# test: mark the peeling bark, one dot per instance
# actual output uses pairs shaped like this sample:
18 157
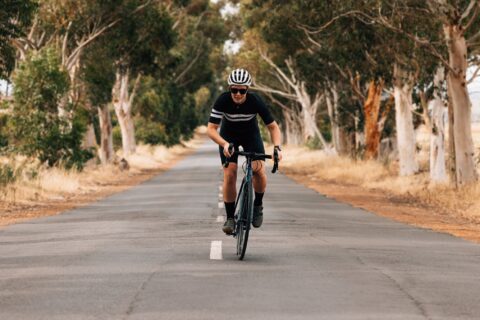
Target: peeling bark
339 136
106 152
403 88
89 140
465 171
309 106
292 130
372 109
438 172
122 101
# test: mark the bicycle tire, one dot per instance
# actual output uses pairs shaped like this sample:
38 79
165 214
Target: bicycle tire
245 220
239 225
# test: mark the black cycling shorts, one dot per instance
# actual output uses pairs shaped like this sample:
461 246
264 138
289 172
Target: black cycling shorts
253 143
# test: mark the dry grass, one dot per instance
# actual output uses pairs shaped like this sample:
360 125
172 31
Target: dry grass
416 190
38 184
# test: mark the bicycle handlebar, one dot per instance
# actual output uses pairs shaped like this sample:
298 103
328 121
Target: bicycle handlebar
255 156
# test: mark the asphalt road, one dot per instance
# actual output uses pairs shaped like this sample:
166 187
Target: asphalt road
146 254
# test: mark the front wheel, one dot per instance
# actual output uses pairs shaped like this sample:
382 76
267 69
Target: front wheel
244 219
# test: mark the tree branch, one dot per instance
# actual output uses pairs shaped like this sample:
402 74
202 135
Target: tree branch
326 25
474 76
474 4
135 88
279 71
275 91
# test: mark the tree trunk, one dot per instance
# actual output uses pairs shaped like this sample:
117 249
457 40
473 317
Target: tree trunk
372 109
122 101
338 138
438 171
465 171
105 152
292 132
403 88
89 140
309 115
451 141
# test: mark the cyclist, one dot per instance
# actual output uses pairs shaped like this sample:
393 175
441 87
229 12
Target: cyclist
236 111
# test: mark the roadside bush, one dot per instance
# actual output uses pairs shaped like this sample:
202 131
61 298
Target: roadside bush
7 175
150 132
36 128
116 137
313 143
167 112
3 131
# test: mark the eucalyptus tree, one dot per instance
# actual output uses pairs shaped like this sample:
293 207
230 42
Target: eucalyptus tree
98 76
283 74
349 52
15 17
36 129
138 46
457 21
71 26
171 103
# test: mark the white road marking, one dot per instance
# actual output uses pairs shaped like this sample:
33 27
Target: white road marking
221 219
216 250
221 205
220 188
220 195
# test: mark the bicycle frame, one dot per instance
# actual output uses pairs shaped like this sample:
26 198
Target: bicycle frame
244 215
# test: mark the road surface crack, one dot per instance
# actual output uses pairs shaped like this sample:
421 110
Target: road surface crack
136 298
415 302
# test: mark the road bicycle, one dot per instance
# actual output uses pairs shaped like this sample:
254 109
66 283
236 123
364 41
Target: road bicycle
244 202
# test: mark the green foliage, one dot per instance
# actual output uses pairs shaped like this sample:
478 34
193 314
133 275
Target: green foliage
40 83
3 131
116 136
7 175
166 113
150 132
36 129
140 42
98 74
61 146
313 143
15 16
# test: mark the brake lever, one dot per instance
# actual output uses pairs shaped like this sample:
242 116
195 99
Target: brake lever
231 150
275 161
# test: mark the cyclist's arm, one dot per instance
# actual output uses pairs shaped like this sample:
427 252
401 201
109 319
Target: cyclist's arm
215 136
276 136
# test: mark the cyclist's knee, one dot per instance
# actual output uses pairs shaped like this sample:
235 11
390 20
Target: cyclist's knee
259 168
230 173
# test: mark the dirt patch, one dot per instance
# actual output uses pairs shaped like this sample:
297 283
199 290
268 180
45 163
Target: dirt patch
18 212
397 208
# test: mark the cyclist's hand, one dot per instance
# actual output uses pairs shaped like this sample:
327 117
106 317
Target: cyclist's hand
277 153
228 149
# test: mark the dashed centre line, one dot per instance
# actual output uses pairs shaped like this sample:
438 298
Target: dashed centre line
216 250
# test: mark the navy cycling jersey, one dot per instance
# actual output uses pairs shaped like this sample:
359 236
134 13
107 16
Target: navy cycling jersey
239 119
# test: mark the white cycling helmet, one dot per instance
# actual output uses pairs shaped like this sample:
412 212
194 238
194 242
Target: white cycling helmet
240 77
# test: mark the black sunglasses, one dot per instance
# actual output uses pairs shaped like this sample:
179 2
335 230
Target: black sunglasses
235 91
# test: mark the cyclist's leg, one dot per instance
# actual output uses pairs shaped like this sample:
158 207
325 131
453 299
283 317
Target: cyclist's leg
230 182
229 176
255 144
229 190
